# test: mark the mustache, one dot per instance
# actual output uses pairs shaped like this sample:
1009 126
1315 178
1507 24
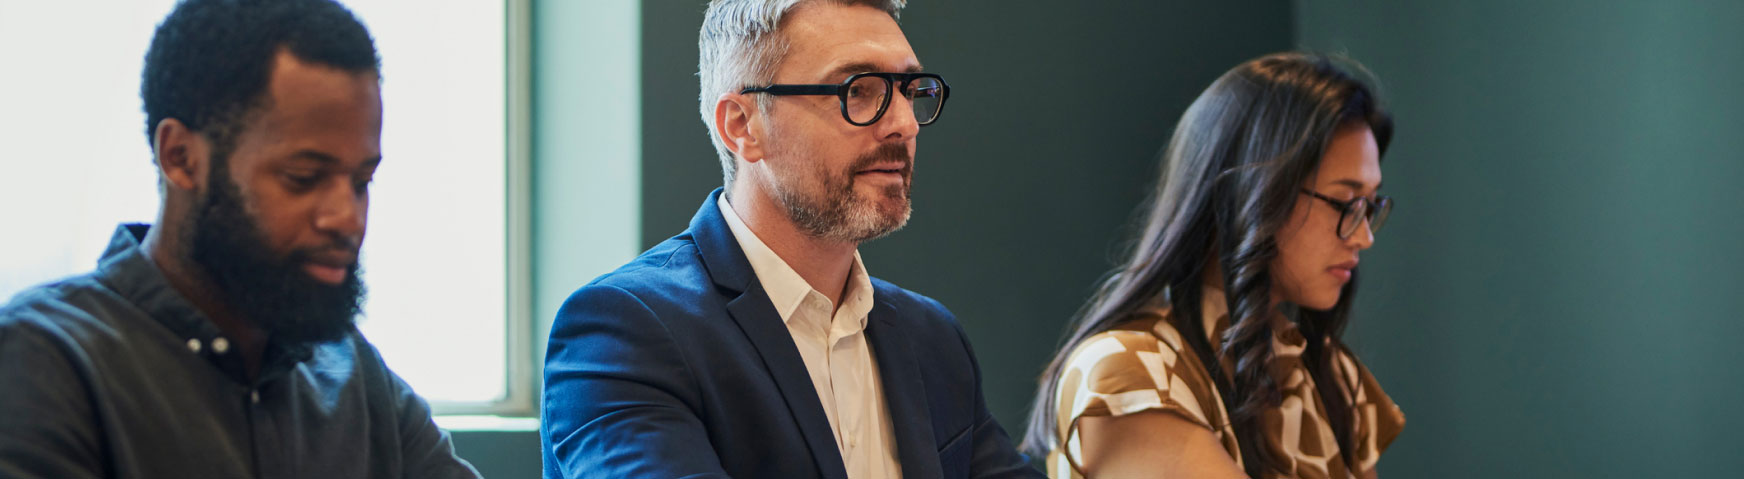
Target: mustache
885 153
340 247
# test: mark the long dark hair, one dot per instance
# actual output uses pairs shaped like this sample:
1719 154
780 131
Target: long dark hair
1229 180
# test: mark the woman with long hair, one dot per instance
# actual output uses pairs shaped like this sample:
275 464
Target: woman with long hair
1214 350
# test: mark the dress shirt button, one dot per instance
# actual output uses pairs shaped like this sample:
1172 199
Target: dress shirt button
254 397
194 345
220 345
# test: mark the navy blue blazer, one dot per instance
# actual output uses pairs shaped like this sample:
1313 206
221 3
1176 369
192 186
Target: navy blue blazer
677 365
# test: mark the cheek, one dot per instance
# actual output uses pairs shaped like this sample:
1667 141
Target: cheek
1298 252
282 218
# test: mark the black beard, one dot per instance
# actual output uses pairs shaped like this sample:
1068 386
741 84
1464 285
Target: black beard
271 292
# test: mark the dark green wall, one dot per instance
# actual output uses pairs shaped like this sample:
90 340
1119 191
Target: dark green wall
1024 186
1557 294
1554 297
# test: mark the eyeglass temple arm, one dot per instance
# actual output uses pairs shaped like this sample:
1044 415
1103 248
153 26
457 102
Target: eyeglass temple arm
830 89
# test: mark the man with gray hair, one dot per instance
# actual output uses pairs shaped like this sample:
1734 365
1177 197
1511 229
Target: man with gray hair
755 344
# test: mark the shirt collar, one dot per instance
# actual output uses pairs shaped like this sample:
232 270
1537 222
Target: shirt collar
1214 311
786 288
125 269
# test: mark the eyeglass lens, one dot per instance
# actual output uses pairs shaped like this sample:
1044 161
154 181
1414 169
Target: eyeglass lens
1360 209
866 98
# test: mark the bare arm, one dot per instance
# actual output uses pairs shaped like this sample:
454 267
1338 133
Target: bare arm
1152 444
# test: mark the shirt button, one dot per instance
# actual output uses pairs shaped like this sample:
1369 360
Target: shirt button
220 345
254 397
194 345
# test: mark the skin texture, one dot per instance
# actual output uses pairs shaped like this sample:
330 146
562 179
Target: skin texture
1162 444
1152 444
1309 251
802 150
302 164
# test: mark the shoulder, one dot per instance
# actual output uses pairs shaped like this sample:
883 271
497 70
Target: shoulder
1134 367
918 315
1149 338
1125 358
50 339
670 274
674 261
660 301
908 301
70 311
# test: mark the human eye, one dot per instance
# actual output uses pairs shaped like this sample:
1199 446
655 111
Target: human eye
859 89
302 180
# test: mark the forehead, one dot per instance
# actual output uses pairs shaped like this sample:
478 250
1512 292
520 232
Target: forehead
825 37
318 107
1352 155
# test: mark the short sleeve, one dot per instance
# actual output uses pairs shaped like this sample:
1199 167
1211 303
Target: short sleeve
1121 372
1377 420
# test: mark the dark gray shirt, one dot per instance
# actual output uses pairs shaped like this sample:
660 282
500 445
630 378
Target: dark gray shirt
115 374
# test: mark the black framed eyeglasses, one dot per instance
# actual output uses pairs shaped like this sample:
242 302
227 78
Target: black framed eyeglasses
865 96
1352 213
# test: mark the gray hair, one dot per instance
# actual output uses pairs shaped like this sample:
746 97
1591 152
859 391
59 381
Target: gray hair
740 46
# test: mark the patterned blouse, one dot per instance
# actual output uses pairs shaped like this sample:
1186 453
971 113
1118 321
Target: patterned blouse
1143 365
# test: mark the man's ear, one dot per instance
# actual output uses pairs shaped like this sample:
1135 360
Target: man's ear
181 154
735 123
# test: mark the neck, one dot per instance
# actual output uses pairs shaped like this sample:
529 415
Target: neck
199 289
823 264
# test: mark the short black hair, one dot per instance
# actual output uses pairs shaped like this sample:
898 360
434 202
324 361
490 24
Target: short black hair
211 60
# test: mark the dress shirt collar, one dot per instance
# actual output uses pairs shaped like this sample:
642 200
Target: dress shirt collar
786 288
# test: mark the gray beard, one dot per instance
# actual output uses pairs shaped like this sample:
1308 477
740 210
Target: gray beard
839 215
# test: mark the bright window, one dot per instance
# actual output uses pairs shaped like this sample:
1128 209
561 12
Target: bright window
437 258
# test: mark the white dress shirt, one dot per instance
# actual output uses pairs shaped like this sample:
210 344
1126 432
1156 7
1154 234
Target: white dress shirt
832 342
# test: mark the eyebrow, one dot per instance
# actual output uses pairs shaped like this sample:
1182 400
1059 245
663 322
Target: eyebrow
330 160
863 67
1354 184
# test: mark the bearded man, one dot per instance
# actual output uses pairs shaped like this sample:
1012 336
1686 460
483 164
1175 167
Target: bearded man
755 343
220 342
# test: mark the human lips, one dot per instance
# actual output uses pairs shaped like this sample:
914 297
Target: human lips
885 172
887 167
329 267
1342 270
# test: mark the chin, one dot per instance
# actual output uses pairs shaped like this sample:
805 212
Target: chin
1320 302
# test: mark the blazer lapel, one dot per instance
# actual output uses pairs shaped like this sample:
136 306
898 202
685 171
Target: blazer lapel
904 393
756 316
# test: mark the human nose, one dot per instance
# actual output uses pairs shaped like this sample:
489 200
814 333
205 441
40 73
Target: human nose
899 122
1364 238
342 211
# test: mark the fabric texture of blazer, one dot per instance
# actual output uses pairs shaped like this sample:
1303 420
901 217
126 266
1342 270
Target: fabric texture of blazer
677 365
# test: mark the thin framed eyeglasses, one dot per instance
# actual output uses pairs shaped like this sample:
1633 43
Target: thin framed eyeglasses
865 96
1352 213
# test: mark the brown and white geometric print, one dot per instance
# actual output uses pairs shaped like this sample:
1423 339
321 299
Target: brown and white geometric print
1128 370
1144 365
